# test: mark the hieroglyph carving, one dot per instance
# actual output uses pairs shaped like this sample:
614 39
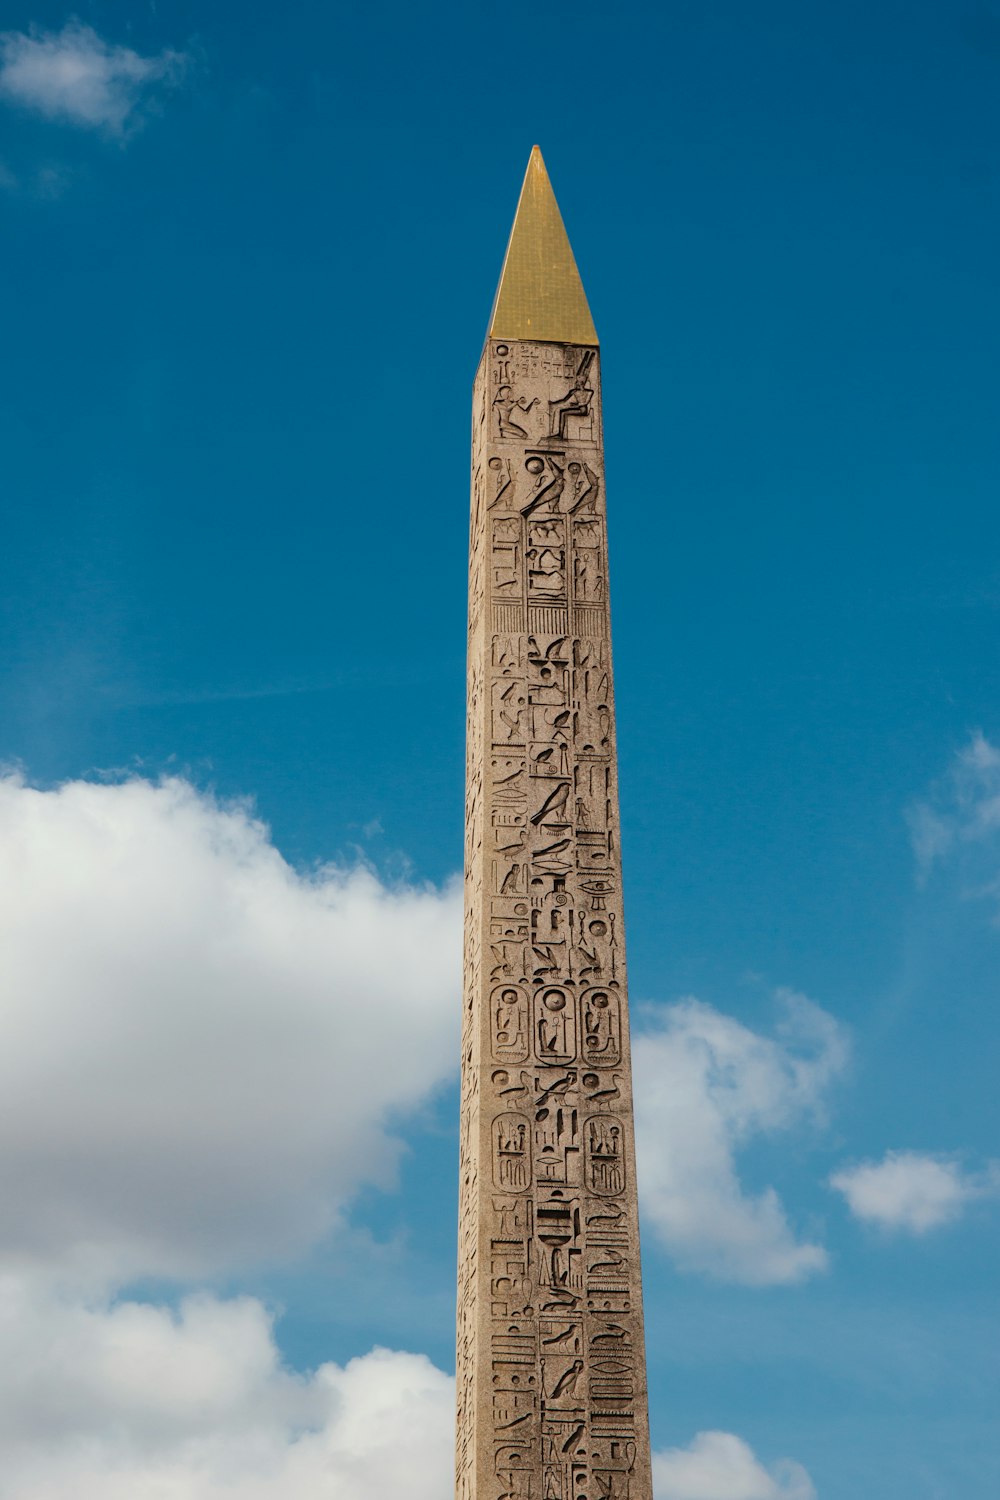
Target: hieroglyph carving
551 1370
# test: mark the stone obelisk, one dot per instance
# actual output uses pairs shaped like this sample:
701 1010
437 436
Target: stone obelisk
551 1365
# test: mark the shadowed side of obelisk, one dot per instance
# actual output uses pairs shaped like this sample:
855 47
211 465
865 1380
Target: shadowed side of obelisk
551 1366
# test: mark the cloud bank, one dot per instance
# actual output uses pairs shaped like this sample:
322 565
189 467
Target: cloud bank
76 77
911 1191
201 1050
705 1086
126 1401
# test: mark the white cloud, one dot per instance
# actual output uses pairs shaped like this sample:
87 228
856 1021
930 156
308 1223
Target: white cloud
200 1050
75 76
126 1401
912 1191
963 813
134 1402
201 1054
705 1085
721 1466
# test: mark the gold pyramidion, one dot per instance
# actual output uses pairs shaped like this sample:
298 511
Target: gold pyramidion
540 295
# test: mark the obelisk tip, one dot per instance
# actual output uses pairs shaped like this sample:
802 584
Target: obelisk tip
540 295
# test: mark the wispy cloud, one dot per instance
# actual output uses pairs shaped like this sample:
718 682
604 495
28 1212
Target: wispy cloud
721 1466
705 1086
913 1191
961 817
76 77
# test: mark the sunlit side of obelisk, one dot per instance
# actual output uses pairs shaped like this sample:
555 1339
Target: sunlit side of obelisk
551 1365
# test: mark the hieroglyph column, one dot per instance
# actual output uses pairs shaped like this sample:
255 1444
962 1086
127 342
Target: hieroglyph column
551 1367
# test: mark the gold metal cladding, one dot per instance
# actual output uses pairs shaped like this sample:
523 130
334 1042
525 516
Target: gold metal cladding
540 295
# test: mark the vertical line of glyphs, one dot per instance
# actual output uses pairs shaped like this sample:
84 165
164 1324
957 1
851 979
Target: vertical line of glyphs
550 1359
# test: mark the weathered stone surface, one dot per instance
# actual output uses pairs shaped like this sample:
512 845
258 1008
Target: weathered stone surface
551 1367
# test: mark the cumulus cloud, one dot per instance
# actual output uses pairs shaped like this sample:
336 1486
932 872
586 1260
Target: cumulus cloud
135 1402
127 1401
201 1053
705 1085
962 815
201 1050
75 76
721 1466
913 1191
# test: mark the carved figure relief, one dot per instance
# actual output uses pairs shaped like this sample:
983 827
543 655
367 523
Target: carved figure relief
510 1024
605 1147
555 1026
547 482
546 571
503 478
583 490
575 402
506 403
602 1046
512 1153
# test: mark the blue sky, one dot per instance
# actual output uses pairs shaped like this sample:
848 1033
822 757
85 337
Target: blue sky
248 261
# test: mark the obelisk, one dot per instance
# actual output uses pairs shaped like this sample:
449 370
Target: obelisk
551 1365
